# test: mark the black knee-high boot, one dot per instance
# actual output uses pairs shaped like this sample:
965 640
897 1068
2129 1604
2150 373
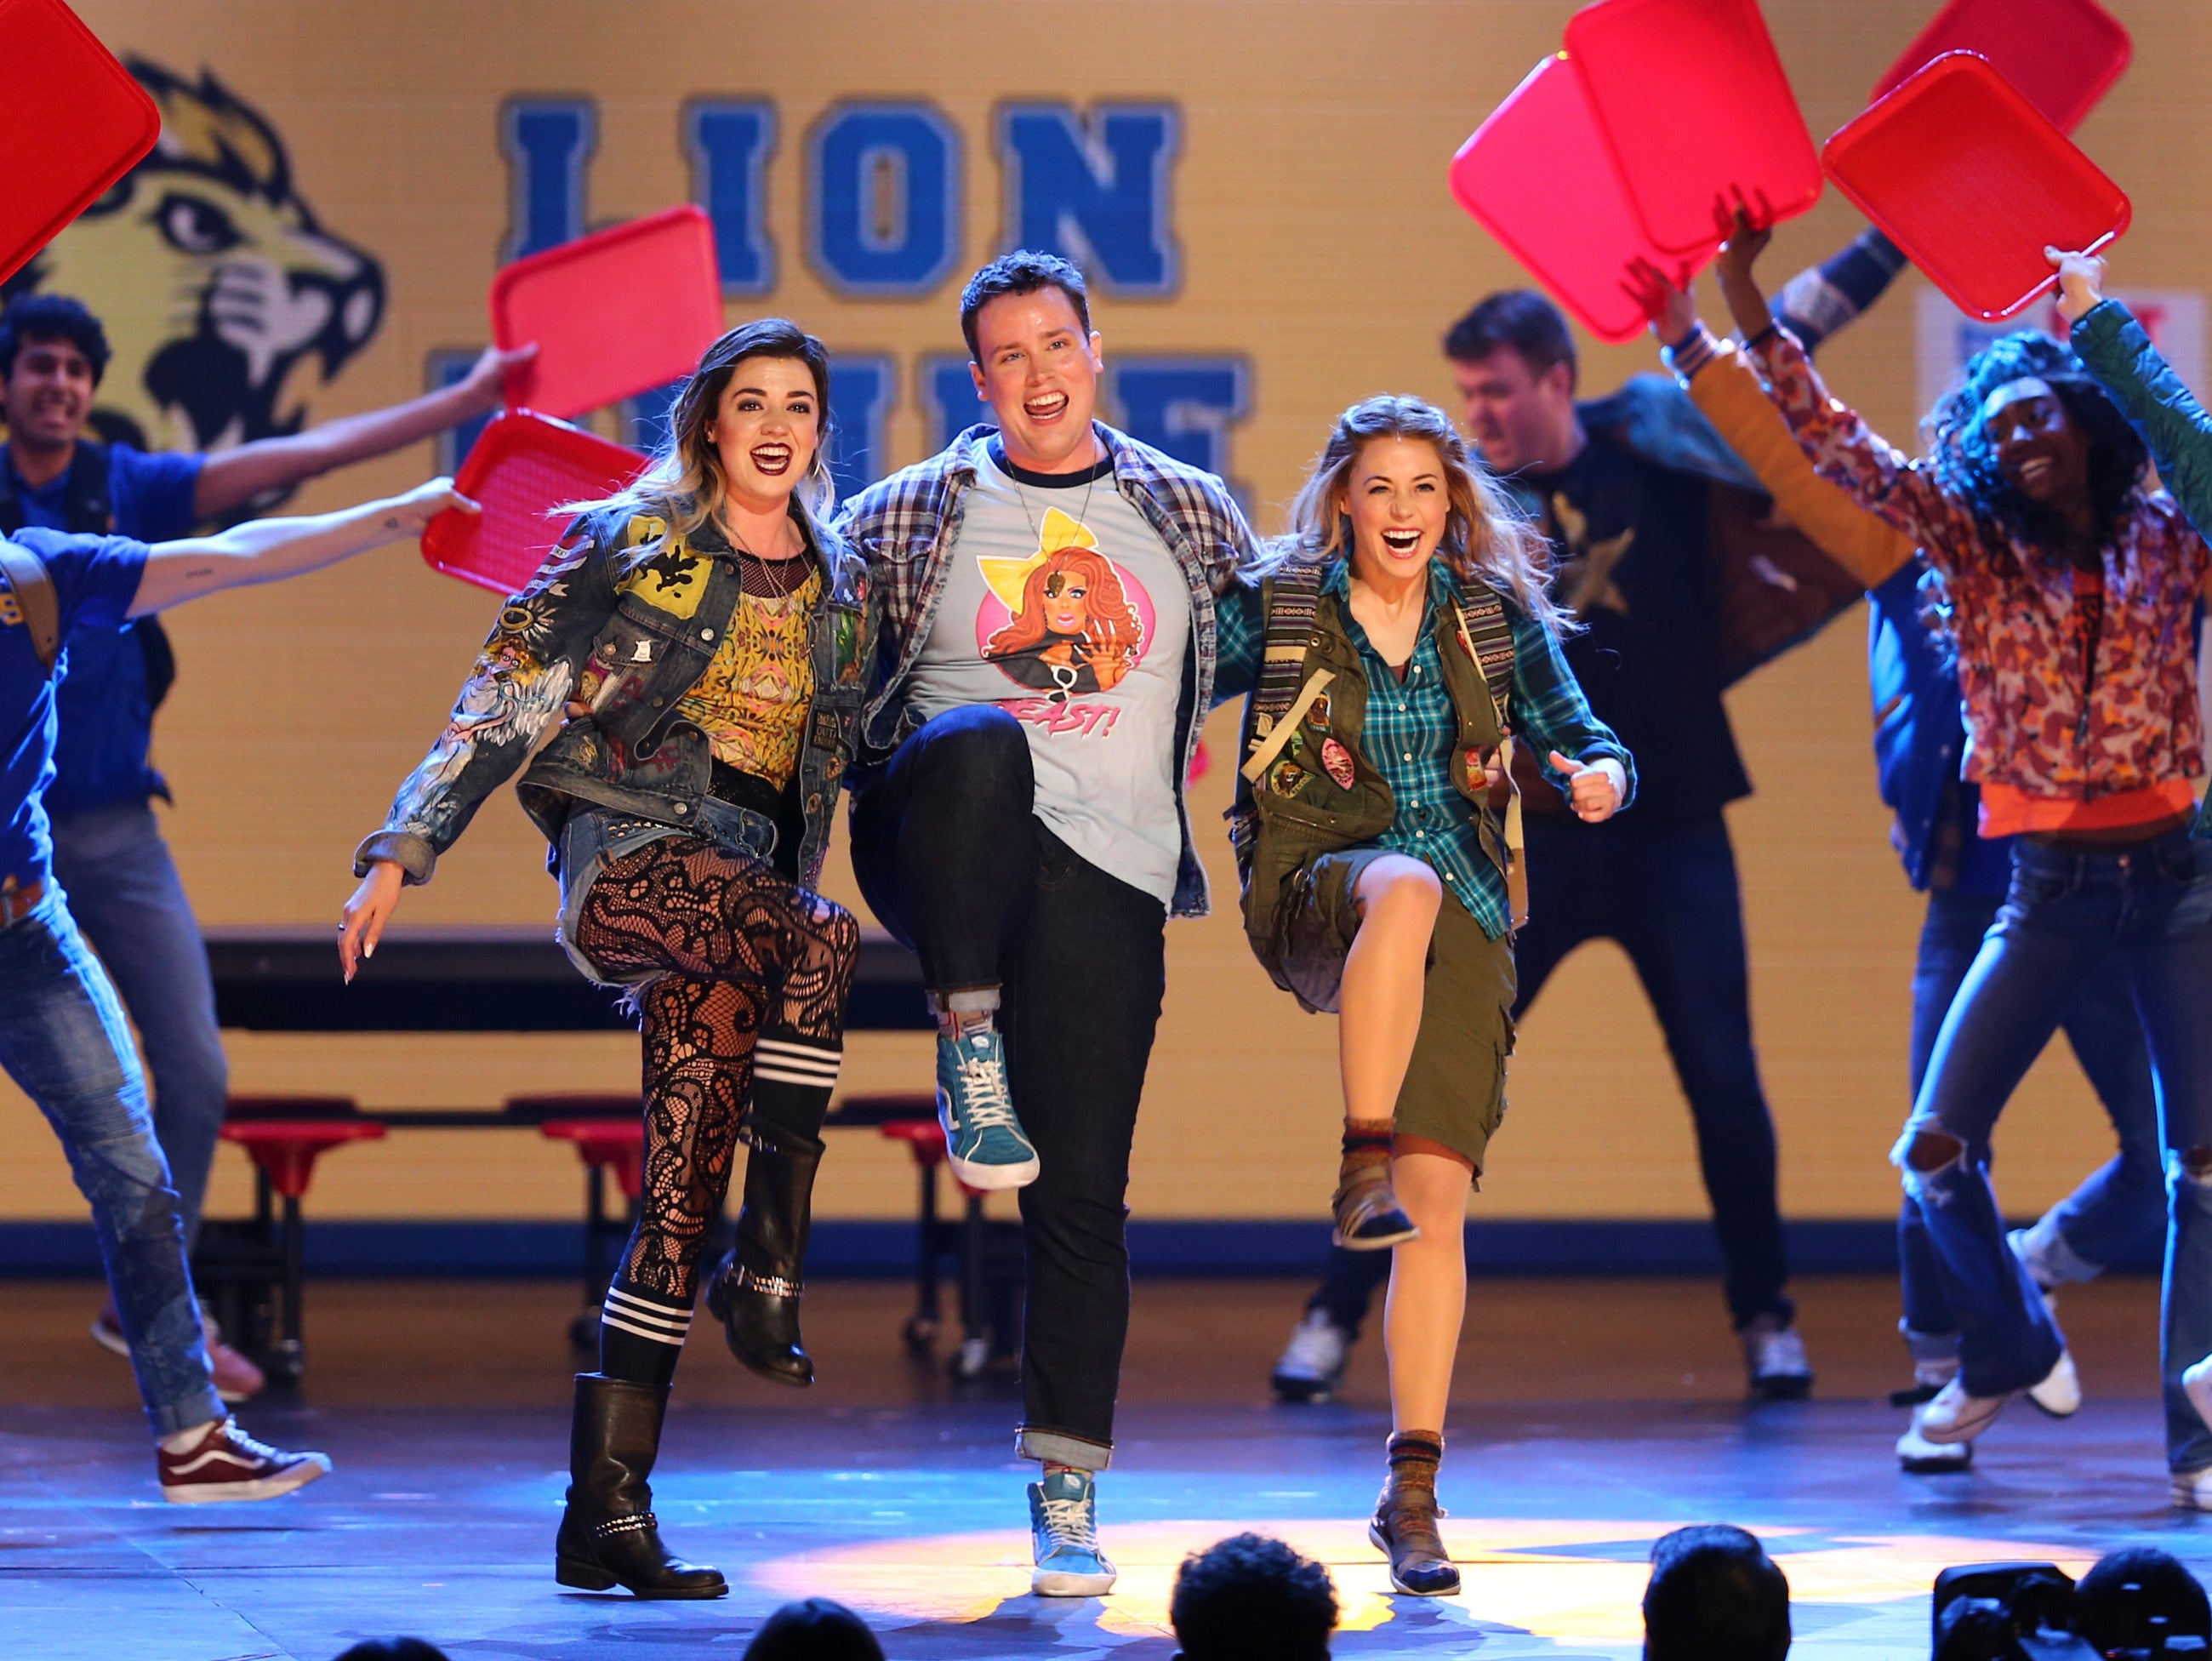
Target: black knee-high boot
755 1290
608 1535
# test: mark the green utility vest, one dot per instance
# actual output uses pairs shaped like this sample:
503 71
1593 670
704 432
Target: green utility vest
1305 786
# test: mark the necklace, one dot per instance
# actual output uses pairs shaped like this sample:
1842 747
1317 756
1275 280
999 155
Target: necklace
1082 513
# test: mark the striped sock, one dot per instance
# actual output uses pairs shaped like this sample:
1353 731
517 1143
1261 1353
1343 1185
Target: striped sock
791 1081
641 1335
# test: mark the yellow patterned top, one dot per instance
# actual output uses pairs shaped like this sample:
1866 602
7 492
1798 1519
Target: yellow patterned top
752 701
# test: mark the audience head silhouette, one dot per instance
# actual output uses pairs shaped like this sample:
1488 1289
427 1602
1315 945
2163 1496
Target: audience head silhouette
1714 1595
1249 1596
815 1629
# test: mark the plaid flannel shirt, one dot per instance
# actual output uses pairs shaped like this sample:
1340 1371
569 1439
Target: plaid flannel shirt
1410 731
906 526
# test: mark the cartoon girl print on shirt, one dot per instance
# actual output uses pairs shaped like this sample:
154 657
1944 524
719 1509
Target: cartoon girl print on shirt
1074 629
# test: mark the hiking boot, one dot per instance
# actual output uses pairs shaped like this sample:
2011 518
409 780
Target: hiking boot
1064 1537
984 1140
1404 1527
1367 1213
226 1463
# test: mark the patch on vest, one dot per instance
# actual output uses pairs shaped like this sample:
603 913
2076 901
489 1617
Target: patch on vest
1285 778
1336 761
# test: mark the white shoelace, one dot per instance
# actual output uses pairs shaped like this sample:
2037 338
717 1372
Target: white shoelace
1070 1523
986 1102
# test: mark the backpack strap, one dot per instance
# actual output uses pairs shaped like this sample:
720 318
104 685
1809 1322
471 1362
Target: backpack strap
1291 597
32 586
1485 633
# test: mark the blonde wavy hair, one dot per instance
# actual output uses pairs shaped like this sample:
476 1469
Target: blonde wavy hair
684 482
1486 537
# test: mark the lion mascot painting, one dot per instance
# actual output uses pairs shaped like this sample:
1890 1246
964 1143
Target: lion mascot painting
216 285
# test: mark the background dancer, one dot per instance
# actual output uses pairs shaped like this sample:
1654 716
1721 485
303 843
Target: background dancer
2073 590
63 1039
1030 844
707 638
2117 1212
1417 593
109 853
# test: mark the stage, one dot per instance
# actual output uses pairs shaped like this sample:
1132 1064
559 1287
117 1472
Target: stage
1594 1416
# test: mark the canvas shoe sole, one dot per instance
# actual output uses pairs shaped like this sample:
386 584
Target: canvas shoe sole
301 1469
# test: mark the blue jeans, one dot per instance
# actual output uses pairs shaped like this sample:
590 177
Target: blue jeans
2142 913
2118 1213
64 1042
125 896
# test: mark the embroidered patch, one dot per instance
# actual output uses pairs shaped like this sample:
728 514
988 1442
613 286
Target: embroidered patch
1317 712
643 654
1286 778
1336 760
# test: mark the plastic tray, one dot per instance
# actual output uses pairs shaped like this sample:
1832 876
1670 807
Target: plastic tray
2062 54
72 122
1692 102
613 313
521 470
1971 181
1538 177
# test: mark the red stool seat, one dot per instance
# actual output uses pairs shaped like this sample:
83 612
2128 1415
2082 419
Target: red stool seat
924 1138
616 1145
285 1150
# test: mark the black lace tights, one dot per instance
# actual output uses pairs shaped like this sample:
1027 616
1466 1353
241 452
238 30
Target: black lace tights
743 952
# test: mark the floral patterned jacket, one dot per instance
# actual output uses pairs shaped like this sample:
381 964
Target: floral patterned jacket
2037 720
625 617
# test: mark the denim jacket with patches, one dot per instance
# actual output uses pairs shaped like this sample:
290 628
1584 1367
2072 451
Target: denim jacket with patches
625 616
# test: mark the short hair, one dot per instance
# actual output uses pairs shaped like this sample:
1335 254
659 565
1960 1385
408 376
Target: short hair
1519 318
1715 1592
814 1630
1250 1595
2125 1590
34 317
393 1649
1025 271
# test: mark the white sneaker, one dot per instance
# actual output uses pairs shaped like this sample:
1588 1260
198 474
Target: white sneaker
2059 1393
1922 1457
1955 1416
1774 1357
1311 1367
2196 1384
2193 1489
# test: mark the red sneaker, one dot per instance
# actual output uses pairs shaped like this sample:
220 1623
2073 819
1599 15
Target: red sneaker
226 1463
236 1379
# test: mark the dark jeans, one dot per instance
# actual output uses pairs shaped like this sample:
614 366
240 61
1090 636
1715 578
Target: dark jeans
2118 1213
1667 891
126 897
954 863
2143 913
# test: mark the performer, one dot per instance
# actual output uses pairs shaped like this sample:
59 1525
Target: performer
1668 558
2117 1212
707 635
108 849
2072 588
1394 642
63 1039
1047 596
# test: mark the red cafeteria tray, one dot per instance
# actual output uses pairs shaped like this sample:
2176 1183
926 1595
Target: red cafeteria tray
72 122
521 470
2064 54
1537 176
1971 181
613 313
1693 101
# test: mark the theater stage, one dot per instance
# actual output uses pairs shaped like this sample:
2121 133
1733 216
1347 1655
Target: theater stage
1596 1414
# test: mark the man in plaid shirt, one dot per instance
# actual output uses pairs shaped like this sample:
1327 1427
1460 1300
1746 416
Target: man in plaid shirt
1046 659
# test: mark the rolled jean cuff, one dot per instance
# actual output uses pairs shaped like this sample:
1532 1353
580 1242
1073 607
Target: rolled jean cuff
204 1407
1057 1447
1929 1345
963 1000
2050 1258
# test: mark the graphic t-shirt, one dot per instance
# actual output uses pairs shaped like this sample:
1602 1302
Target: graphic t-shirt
94 579
1063 607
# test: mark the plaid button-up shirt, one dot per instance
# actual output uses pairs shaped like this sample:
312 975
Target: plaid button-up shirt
906 526
1410 731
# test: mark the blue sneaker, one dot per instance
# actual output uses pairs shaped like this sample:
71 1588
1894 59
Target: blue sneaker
982 1138
1064 1537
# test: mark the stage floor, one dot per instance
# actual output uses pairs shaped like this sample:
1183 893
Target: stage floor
1596 1414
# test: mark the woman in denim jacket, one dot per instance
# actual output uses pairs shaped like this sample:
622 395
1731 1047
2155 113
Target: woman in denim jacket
705 633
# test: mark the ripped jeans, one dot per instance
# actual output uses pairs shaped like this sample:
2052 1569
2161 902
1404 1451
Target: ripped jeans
2143 912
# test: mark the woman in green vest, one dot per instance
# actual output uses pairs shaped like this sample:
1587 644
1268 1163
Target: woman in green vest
1395 644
